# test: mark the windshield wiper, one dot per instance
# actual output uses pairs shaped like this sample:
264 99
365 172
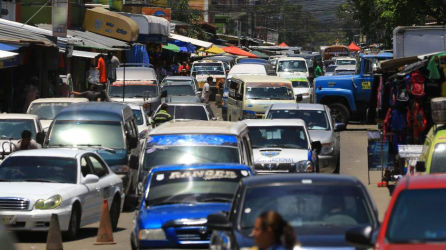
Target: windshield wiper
36 180
172 203
60 145
217 199
98 146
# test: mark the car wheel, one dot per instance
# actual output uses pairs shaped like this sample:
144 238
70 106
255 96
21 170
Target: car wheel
132 245
74 225
339 113
115 211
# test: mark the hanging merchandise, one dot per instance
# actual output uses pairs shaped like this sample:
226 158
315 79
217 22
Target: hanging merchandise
138 55
102 70
416 83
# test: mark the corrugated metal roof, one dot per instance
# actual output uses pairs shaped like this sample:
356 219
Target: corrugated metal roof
87 39
13 34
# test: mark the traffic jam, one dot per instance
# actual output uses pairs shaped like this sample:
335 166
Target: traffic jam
232 153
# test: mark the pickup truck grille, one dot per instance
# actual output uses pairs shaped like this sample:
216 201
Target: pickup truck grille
274 166
193 234
13 204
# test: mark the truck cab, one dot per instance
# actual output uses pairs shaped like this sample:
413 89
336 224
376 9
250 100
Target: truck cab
348 96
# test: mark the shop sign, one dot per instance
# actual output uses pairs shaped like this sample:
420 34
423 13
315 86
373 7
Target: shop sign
159 12
60 18
107 23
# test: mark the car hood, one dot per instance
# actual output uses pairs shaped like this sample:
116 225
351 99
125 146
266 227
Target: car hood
334 77
186 98
323 136
310 238
279 155
157 216
301 90
35 190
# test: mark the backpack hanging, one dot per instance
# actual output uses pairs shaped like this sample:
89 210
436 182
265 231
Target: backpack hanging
416 86
398 121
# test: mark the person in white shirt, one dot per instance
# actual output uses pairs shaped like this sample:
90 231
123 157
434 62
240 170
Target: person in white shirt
206 90
26 142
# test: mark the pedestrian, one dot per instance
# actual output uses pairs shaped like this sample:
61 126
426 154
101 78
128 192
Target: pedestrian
26 142
162 116
184 67
102 70
272 232
161 73
317 71
93 95
206 90
112 65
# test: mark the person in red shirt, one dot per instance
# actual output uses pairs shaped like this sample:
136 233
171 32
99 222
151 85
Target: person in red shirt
184 66
102 70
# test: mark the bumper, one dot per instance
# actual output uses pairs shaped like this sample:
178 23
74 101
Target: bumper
327 164
38 220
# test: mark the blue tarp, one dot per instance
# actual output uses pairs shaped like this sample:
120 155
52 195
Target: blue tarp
138 54
8 47
184 47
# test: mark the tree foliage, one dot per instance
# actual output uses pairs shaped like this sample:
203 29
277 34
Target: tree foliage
181 11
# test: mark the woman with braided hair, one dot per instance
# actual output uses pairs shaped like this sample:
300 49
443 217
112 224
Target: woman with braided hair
272 232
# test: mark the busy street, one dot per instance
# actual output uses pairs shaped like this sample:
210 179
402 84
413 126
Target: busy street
222 125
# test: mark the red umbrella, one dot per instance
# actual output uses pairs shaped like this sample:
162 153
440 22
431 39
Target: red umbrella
238 52
353 47
283 44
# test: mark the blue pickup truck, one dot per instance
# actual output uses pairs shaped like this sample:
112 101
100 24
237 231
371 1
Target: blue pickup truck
349 96
177 200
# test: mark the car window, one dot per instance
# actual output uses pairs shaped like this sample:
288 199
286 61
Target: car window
85 167
138 116
278 137
98 168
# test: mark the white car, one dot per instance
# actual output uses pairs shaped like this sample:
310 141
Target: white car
34 184
11 128
47 108
301 86
292 67
141 119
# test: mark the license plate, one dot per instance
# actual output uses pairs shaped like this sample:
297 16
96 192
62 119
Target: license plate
8 220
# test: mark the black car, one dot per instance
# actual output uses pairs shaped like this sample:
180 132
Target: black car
320 208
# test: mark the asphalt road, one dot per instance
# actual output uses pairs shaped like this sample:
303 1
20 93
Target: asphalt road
353 162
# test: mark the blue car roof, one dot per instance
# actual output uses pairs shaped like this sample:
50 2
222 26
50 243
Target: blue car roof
383 55
202 166
95 111
253 61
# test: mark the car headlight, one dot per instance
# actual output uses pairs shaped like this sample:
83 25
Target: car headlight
50 203
327 148
249 115
304 167
152 234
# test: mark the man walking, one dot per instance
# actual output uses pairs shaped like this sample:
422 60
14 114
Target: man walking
206 90
162 116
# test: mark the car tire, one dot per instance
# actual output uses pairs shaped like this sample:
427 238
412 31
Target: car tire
74 225
339 113
132 245
115 212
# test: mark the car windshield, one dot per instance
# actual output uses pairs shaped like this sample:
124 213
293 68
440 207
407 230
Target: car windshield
178 90
278 137
346 62
308 205
138 116
217 67
190 149
331 68
39 169
438 159
269 91
48 110
300 84
165 81
190 113
416 217
87 133
13 128
344 72
138 91
291 66
315 119
192 186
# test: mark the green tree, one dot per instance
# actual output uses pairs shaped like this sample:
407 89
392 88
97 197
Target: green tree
181 11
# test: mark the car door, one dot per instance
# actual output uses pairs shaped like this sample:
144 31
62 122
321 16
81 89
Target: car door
92 197
240 101
106 182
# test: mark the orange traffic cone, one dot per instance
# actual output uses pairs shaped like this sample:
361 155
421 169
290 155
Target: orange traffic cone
105 232
54 238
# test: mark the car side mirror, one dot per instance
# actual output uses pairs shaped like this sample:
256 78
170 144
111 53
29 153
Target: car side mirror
164 94
420 166
340 127
134 162
40 137
360 237
91 179
299 98
219 221
316 145
133 142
